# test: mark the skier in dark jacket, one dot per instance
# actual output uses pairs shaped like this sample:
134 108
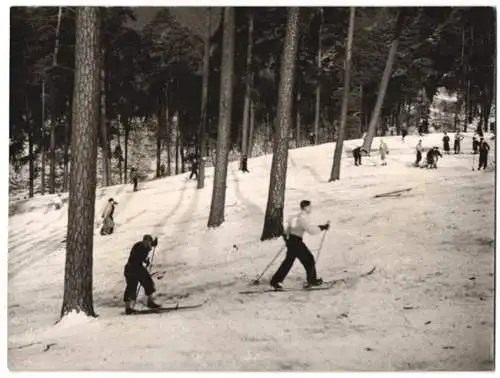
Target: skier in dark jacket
356 153
446 143
484 148
475 144
134 177
297 226
432 157
136 273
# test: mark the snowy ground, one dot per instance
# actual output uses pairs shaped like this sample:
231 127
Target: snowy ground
428 306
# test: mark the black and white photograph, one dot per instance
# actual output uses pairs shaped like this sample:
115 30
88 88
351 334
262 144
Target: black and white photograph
238 188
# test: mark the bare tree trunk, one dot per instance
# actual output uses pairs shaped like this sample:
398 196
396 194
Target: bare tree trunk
80 235
30 151
318 85
204 109
216 217
385 81
361 110
273 221
126 129
297 120
120 164
106 171
160 127
246 106
67 130
337 156
169 146
177 144
43 138
252 129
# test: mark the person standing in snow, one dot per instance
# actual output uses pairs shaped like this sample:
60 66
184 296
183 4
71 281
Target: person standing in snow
446 143
484 148
458 139
356 153
108 224
432 157
475 144
419 149
134 177
383 151
136 273
194 168
404 133
296 227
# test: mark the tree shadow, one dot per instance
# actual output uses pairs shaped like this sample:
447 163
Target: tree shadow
252 206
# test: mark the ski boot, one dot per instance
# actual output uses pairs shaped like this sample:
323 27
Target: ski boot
277 286
317 282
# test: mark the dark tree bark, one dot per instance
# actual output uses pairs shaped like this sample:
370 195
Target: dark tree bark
204 109
126 131
337 156
31 152
246 106
106 166
273 221
216 217
317 108
67 134
251 131
384 82
160 129
42 140
80 235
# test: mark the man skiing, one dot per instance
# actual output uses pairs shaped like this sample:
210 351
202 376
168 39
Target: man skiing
194 168
108 223
296 248
483 154
419 149
446 143
136 273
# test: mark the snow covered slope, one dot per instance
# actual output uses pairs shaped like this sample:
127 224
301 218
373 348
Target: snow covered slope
428 306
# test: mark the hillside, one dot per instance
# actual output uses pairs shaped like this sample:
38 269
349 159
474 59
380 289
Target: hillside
428 306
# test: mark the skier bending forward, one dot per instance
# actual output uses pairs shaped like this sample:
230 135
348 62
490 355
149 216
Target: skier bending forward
136 273
296 248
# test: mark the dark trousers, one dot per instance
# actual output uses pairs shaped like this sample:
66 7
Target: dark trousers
296 249
419 157
135 181
357 158
483 161
193 173
137 275
456 146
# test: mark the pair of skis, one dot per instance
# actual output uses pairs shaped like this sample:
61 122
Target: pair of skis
164 309
325 286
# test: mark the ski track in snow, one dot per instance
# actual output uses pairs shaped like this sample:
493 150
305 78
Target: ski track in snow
429 304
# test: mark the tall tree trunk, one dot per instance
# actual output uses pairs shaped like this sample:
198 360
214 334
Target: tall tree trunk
216 217
160 128
297 120
30 151
273 220
317 108
43 138
120 164
176 131
385 81
126 130
80 234
169 145
246 106
337 156
252 128
361 110
67 131
106 166
52 186
204 109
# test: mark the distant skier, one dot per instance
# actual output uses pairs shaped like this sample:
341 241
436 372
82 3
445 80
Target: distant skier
136 273
57 201
484 148
356 153
383 152
475 144
458 139
194 168
108 224
419 149
162 170
404 133
135 178
432 157
446 143
296 227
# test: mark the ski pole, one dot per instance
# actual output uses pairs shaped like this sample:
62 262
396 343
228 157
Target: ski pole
321 243
256 281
